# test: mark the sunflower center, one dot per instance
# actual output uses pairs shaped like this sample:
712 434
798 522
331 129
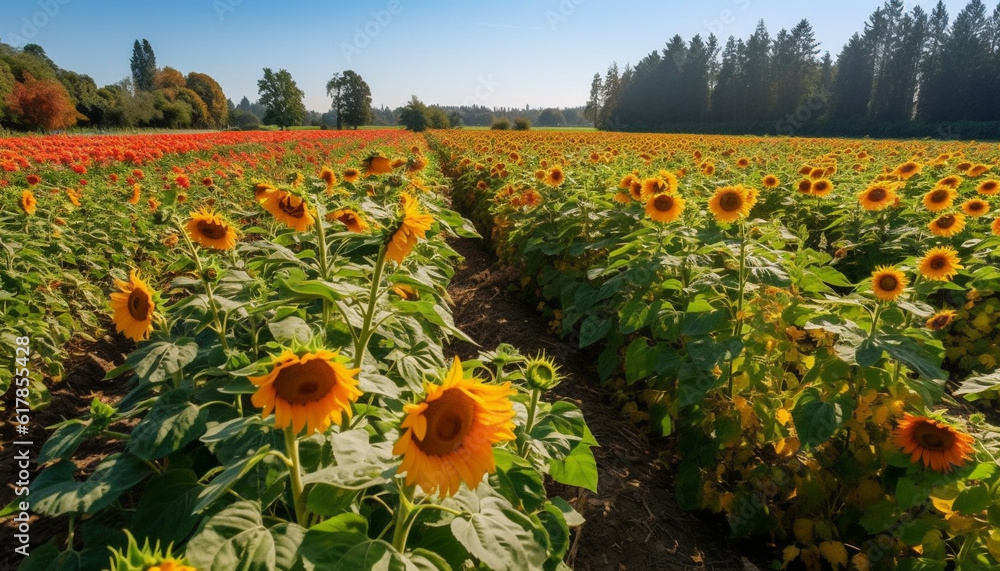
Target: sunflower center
908 168
820 186
211 229
989 186
449 420
293 206
731 202
932 437
938 263
940 322
663 203
302 383
888 283
348 218
939 195
877 195
139 305
974 206
946 221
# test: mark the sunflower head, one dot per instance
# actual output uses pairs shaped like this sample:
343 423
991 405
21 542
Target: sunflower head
770 181
664 207
804 186
888 282
730 203
351 175
907 169
448 436
947 225
307 390
134 305
941 319
211 230
877 196
412 227
554 176
542 373
975 207
938 445
376 164
348 217
988 187
28 202
290 209
146 558
822 187
940 263
939 198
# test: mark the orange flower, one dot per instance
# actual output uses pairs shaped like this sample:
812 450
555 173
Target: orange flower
938 445
413 226
28 202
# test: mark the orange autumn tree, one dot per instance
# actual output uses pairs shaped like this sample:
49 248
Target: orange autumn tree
42 104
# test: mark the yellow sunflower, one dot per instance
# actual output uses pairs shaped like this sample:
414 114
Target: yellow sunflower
28 202
940 263
804 186
730 203
133 307
907 170
995 227
289 209
770 181
988 187
348 218
939 198
664 207
952 181
975 207
554 176
311 390
327 176
262 191
653 186
449 435
888 282
947 225
351 174
821 187
941 319
376 164
413 226
211 230
877 196
939 445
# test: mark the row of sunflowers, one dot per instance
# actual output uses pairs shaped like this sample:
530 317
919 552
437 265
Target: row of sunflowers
290 402
808 318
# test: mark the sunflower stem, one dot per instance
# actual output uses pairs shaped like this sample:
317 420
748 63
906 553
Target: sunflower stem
212 304
298 497
738 328
403 523
532 408
366 327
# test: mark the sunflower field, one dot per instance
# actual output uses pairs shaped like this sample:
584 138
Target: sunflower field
813 321
290 405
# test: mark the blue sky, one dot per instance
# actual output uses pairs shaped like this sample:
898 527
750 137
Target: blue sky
508 53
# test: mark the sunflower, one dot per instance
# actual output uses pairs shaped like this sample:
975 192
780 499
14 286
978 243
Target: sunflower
290 209
877 196
412 227
940 263
622 197
664 207
262 191
975 207
416 164
730 203
947 225
136 190
376 164
450 434
939 198
310 390
939 445
28 202
995 227
327 176
907 170
951 181
888 282
74 196
653 186
804 186
211 230
821 187
133 307
770 181
941 319
988 187
348 218
554 176
351 175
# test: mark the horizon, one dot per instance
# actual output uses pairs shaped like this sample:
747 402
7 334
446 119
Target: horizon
397 47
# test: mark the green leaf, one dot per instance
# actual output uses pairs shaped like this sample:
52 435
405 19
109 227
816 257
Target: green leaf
815 420
159 360
640 360
291 328
234 539
577 469
973 500
982 386
170 497
704 322
426 560
64 441
593 329
224 481
520 482
371 554
554 523
325 541
55 492
572 517
500 536
168 427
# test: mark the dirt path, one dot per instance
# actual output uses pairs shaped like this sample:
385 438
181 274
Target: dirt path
633 521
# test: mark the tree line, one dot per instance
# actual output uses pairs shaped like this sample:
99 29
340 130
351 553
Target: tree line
904 70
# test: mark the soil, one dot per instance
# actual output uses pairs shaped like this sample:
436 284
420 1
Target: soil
633 522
